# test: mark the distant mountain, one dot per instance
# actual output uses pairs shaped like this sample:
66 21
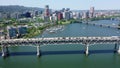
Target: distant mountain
16 8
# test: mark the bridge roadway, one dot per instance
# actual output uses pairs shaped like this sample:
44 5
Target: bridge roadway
102 25
86 41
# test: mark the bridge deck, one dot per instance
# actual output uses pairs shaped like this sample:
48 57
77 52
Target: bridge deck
61 40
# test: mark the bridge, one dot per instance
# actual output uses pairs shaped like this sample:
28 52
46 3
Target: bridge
37 42
102 25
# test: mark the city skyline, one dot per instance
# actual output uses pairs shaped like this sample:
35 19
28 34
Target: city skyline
72 4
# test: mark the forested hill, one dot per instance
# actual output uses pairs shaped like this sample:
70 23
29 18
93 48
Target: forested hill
16 8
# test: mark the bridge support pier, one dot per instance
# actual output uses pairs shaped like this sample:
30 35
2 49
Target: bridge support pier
38 51
5 51
87 49
115 48
118 50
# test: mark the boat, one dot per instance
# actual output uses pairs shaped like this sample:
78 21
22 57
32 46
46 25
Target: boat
113 23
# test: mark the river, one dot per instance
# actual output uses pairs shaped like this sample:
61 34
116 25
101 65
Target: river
67 56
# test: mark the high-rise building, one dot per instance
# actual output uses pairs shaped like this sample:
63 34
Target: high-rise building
63 14
76 15
47 11
85 15
55 17
67 15
71 14
51 18
60 16
92 10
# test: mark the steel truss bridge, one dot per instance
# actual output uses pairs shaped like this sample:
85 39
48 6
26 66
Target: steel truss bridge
37 42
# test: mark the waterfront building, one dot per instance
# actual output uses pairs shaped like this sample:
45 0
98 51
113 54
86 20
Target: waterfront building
12 31
71 14
76 15
22 30
63 14
51 18
55 17
100 14
60 15
67 15
85 15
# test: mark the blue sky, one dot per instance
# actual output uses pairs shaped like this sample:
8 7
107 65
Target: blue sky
72 4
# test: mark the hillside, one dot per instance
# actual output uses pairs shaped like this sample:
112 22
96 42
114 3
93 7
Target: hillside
16 8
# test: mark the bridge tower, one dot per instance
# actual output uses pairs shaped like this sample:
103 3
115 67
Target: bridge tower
38 51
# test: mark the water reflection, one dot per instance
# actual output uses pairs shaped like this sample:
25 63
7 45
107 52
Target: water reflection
60 52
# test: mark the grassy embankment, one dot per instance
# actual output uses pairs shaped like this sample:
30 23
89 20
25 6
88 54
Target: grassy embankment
33 31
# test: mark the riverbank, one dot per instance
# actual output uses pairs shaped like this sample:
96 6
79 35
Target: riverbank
64 22
33 31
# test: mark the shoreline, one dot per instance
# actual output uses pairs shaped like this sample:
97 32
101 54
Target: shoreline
62 22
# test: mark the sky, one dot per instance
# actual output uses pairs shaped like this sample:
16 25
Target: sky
72 4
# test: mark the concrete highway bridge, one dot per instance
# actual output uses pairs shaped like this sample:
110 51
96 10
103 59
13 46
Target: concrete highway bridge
37 42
